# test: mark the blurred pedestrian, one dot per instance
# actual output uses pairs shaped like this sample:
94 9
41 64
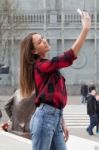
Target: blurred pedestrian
0 113
97 127
84 93
92 109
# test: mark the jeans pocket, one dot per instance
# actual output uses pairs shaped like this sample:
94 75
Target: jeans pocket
37 122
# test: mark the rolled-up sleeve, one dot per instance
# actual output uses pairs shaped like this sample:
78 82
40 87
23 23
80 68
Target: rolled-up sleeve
58 62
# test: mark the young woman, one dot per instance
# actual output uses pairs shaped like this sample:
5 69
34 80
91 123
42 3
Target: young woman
37 73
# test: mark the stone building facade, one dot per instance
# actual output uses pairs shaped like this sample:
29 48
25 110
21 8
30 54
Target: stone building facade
59 22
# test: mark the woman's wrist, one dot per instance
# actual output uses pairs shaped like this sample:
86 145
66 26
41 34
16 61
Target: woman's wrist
85 29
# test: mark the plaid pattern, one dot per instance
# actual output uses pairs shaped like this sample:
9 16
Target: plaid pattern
49 83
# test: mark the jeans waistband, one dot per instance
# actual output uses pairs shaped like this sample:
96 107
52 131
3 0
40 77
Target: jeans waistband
48 108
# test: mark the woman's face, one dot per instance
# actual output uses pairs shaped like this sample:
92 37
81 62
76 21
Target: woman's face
41 45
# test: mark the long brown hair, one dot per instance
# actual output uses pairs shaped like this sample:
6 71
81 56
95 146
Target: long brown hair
26 66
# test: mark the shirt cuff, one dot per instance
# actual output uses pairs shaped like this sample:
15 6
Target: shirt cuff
70 55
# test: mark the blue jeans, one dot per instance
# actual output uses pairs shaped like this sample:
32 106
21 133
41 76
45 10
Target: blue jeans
46 129
93 122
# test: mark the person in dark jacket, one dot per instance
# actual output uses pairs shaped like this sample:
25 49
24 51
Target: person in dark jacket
20 111
92 109
84 92
97 127
0 113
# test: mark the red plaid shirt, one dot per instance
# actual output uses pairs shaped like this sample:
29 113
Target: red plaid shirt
49 83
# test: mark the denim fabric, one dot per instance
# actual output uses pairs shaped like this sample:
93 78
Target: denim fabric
46 129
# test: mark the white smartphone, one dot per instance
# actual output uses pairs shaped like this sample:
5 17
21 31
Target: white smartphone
79 11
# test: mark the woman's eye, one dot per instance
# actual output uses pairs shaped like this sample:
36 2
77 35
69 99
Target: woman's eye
39 42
